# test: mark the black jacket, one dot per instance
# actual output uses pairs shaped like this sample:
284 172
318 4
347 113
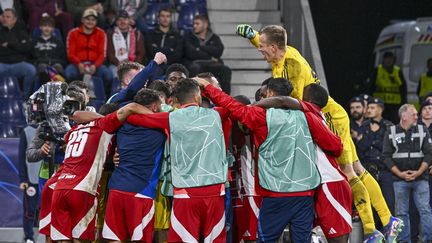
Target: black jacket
49 51
370 146
198 49
18 47
408 149
170 44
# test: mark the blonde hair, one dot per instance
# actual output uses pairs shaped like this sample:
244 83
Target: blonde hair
275 34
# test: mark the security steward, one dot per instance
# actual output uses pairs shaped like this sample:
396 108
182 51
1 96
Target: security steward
389 85
425 82
369 144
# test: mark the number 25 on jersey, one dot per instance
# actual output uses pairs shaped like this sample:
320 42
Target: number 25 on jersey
77 142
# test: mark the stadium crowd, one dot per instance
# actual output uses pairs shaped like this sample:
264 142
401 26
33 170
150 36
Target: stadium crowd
170 156
105 36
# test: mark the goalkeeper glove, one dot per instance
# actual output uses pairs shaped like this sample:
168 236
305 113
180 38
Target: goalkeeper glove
245 31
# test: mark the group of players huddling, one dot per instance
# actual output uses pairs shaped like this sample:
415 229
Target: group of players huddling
295 162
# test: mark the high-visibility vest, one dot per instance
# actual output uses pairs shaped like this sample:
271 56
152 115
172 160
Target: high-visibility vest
388 85
425 85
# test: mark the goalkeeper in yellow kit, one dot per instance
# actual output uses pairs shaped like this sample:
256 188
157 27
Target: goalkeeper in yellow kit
288 63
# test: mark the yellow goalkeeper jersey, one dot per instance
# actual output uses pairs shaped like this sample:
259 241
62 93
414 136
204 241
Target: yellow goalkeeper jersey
293 67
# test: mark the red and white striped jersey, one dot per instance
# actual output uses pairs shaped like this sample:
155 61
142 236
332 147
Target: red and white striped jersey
86 152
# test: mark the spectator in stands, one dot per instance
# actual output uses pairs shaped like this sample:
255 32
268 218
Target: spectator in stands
165 39
408 152
48 50
203 51
135 9
86 51
15 51
55 8
124 43
14 4
369 144
357 115
425 82
77 7
29 180
388 84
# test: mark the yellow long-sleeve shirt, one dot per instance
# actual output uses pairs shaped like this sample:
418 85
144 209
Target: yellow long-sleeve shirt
292 67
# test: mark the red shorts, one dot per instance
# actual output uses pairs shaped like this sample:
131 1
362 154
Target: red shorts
73 215
192 217
45 209
128 216
246 213
333 206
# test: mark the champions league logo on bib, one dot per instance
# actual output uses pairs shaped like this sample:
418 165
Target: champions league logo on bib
31 191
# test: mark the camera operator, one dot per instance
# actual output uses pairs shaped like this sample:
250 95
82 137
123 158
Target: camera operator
40 149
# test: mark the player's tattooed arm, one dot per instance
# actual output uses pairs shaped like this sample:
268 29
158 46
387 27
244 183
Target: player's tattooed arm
284 102
131 108
85 116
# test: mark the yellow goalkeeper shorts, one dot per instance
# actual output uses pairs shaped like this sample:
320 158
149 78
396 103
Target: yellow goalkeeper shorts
162 210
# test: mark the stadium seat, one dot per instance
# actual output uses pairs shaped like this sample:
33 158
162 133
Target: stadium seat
11 111
9 87
187 13
37 32
116 86
157 1
8 130
185 2
98 88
